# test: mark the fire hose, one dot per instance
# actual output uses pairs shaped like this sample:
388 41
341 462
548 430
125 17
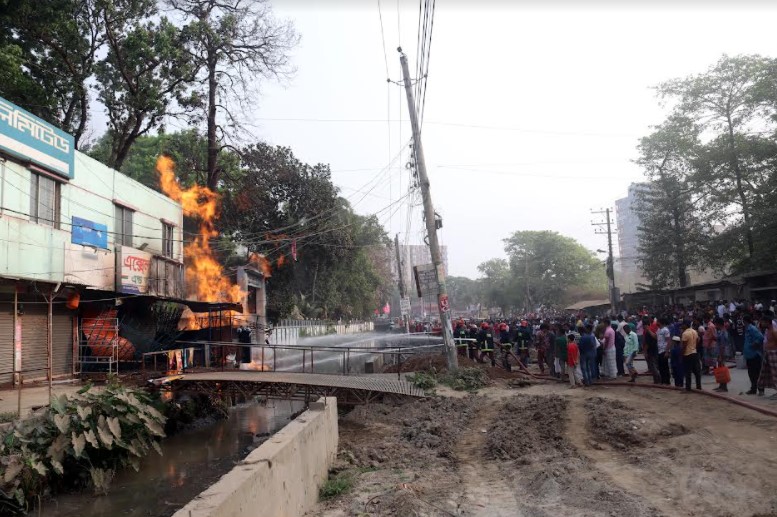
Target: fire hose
748 405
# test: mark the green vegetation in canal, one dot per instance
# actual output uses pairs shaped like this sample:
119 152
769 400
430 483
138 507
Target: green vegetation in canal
79 441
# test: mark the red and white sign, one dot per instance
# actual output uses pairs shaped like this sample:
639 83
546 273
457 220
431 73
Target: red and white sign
134 266
444 305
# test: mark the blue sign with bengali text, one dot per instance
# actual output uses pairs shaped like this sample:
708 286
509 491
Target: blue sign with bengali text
89 233
25 136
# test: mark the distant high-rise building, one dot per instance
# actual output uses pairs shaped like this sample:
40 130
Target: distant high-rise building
627 270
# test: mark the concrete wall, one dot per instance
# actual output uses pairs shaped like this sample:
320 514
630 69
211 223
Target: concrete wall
282 477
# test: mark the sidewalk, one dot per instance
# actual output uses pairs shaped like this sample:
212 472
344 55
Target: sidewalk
34 396
740 383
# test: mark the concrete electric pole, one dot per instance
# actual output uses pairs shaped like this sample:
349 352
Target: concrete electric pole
610 259
431 222
405 317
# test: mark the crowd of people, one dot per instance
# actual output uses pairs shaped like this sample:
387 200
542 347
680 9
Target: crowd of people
678 343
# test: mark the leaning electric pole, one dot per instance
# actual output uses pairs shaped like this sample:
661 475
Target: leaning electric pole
431 221
610 259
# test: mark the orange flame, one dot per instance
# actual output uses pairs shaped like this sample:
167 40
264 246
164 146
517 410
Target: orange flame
204 275
261 262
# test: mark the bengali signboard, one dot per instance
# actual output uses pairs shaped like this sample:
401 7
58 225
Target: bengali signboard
89 233
425 279
404 306
133 267
25 136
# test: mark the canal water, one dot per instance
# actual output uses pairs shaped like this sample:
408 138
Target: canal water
195 459
192 461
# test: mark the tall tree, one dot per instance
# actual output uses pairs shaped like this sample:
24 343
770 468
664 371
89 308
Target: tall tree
727 101
670 207
232 43
497 284
545 264
53 47
144 71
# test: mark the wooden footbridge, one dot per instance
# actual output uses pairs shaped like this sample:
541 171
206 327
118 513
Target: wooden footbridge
349 389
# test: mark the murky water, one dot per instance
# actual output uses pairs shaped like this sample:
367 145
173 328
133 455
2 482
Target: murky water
192 461
195 459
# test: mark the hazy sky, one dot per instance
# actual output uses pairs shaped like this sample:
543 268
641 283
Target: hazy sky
532 113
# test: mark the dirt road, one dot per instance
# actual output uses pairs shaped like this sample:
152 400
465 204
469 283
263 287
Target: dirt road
547 450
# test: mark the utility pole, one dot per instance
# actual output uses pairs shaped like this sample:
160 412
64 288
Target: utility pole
431 221
405 319
610 259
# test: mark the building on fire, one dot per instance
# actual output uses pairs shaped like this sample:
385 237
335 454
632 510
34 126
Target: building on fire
91 260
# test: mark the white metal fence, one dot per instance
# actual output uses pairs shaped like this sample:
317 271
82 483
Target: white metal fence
289 332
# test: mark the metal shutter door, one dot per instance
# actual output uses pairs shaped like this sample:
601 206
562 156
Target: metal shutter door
6 342
62 352
34 330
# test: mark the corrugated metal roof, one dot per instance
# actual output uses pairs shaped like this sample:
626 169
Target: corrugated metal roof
587 303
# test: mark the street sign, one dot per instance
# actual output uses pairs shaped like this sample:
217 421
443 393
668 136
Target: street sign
425 279
444 305
404 306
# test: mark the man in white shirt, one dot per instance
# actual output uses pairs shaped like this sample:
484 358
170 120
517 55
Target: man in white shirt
722 308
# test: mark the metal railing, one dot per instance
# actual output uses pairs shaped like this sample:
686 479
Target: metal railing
344 360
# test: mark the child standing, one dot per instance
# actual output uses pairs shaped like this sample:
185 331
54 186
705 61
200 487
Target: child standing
573 362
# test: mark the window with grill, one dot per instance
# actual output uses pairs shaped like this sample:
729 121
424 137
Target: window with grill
44 200
124 217
167 240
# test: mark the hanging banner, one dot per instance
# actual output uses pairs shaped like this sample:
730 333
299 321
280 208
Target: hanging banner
294 249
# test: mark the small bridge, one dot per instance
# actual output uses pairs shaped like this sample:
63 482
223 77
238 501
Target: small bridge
349 389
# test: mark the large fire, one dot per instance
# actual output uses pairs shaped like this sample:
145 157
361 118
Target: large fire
204 275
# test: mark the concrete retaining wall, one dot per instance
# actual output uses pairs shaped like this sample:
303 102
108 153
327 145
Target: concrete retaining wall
282 476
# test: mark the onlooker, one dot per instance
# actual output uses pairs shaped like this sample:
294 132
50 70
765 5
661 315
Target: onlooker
768 375
573 362
691 365
620 342
587 348
753 352
608 345
630 350
663 346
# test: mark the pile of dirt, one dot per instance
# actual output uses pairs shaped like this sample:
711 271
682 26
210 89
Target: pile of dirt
618 425
438 363
397 436
528 427
530 441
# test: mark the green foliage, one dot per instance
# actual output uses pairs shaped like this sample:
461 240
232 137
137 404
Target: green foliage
426 381
465 379
78 441
8 416
337 485
342 267
730 172
671 233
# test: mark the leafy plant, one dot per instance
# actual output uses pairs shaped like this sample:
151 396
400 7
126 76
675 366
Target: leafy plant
78 441
465 379
423 380
336 485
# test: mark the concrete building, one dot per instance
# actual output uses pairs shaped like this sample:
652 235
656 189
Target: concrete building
627 271
72 230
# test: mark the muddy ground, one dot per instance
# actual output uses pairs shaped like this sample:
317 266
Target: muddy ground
546 450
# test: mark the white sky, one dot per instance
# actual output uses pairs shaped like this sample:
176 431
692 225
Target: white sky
564 92
560 92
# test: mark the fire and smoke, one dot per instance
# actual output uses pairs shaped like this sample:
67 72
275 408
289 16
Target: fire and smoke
204 275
